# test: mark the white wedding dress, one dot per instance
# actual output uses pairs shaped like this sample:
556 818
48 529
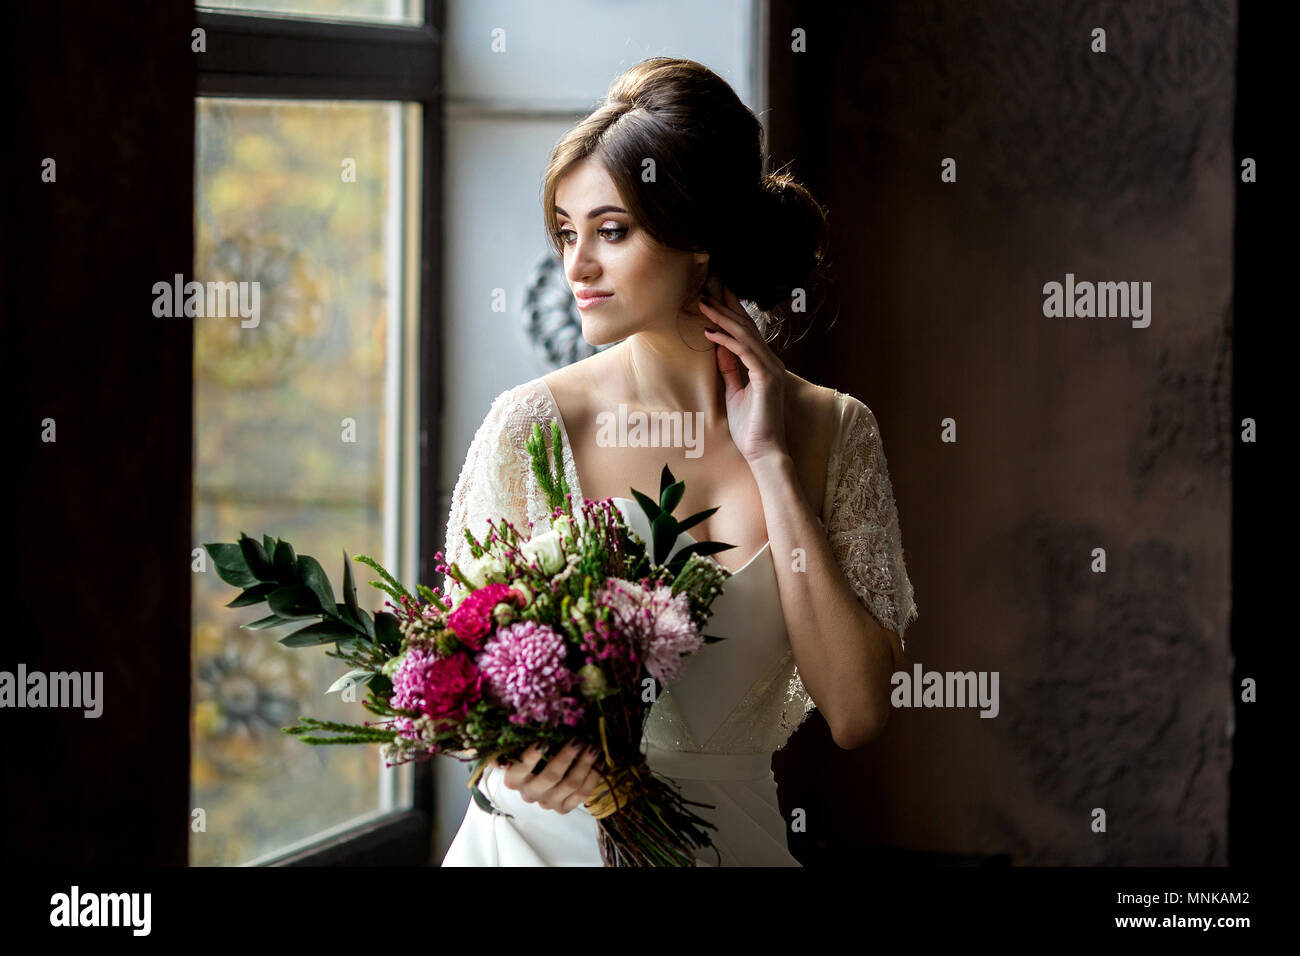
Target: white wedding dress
737 701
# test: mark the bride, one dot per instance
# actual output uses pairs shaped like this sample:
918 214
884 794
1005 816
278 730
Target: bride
659 209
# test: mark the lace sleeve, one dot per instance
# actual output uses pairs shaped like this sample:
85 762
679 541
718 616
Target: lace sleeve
864 537
493 480
863 528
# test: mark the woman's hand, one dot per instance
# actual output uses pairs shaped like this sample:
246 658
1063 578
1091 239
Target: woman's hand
568 780
756 402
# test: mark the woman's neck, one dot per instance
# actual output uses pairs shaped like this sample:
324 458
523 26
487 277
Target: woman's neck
663 371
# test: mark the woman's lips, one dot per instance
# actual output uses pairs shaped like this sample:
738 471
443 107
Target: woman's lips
593 301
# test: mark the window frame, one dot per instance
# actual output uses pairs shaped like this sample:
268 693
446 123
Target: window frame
280 57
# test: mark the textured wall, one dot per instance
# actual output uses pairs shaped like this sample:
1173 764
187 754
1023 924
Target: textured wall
1073 433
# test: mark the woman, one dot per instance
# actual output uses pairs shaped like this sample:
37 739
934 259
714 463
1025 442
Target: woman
658 206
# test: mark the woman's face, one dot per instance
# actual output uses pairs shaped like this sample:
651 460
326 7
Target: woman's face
648 283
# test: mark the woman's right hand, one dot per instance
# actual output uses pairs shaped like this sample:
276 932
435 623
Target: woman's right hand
567 782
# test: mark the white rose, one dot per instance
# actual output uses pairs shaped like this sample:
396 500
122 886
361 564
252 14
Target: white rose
482 570
547 550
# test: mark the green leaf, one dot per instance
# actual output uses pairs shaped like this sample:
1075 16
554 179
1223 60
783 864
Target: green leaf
294 602
326 632
343 614
286 566
387 633
671 496
350 589
254 595
259 563
355 628
712 638
382 685
368 623
703 548
665 479
231 567
663 531
687 523
271 620
314 577
647 505
268 542
353 676
481 800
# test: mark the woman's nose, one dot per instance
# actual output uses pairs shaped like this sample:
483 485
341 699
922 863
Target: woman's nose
584 264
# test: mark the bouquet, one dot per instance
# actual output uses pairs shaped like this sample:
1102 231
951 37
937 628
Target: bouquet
570 633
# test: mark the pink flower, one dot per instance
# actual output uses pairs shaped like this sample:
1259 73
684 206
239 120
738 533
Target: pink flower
524 669
472 620
658 623
438 687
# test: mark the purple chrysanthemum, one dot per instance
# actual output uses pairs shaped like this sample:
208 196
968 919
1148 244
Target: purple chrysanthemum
523 669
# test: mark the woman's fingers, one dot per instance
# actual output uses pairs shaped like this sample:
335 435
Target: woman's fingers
537 786
518 771
754 365
579 796
576 786
741 336
568 779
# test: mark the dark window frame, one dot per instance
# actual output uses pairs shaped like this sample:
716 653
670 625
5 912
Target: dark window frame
283 58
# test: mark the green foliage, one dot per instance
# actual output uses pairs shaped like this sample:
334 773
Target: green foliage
664 528
550 477
296 588
392 586
342 733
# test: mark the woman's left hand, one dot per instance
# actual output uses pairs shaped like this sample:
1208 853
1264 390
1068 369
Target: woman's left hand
755 402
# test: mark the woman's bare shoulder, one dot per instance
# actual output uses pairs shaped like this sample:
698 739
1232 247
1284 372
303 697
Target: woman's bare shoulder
574 385
810 429
810 406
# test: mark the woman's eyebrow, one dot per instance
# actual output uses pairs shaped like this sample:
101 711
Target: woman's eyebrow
599 210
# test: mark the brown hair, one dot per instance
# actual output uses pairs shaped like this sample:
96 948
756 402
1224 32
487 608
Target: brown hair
765 234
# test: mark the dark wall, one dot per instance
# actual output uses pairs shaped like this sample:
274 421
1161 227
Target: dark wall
1072 433
99 575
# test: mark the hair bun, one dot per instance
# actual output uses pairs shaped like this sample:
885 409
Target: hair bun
788 239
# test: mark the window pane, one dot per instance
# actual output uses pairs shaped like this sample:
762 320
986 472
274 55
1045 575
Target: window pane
400 12
298 411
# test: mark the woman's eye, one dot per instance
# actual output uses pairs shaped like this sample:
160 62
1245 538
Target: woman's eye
564 234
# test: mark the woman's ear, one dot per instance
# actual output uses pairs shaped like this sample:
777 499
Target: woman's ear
710 284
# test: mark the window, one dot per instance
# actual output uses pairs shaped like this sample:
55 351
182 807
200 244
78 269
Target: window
409 12
315 184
